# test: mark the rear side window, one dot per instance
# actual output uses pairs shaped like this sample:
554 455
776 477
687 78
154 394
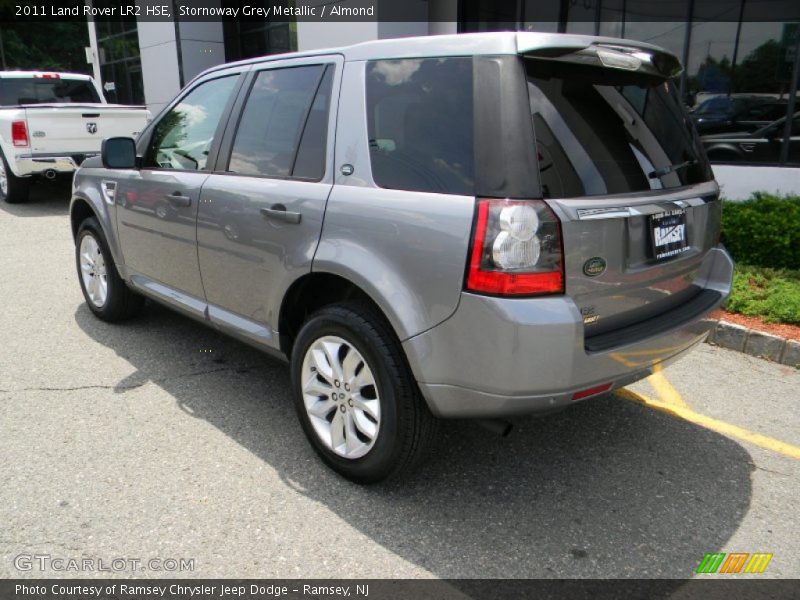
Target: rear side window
40 90
420 124
283 129
606 131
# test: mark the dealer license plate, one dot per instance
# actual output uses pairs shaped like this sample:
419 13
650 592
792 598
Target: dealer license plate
668 234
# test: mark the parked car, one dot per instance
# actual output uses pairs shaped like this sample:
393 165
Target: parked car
50 122
762 146
759 115
383 217
735 113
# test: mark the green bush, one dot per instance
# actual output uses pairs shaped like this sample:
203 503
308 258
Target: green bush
771 294
763 231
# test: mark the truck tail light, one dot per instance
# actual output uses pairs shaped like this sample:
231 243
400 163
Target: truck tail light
19 133
516 249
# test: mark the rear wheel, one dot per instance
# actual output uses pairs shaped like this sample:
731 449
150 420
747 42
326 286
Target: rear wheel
106 294
13 189
355 396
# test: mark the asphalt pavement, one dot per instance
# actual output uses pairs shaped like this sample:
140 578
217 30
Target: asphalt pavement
161 438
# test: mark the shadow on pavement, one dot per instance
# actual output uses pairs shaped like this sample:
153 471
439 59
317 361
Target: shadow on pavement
605 489
47 199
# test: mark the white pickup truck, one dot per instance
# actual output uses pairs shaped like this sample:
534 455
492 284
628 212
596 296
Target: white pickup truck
50 122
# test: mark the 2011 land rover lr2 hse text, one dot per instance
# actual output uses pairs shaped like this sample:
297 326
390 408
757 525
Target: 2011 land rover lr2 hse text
458 226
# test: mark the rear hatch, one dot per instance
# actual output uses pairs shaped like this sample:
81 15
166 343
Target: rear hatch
620 163
71 128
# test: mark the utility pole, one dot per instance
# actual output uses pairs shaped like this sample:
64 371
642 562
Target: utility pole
736 48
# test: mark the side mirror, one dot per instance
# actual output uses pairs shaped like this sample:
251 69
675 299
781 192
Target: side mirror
118 153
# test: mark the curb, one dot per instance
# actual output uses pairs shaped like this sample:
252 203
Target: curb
755 343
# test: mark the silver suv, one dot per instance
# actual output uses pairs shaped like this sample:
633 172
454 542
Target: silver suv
459 226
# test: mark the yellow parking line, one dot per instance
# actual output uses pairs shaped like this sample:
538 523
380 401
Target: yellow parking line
666 393
687 414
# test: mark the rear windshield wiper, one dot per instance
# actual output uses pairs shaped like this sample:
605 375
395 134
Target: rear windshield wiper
670 168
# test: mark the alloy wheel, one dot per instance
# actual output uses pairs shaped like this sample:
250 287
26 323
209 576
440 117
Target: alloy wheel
93 271
340 395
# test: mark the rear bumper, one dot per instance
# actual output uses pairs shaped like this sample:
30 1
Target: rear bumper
499 356
38 164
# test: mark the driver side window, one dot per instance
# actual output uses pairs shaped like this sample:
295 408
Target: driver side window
183 137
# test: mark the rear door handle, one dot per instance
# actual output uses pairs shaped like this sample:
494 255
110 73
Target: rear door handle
278 212
178 199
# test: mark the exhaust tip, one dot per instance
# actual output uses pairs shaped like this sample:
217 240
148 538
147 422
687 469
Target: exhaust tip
50 174
499 427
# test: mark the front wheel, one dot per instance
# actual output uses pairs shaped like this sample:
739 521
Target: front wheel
356 398
106 294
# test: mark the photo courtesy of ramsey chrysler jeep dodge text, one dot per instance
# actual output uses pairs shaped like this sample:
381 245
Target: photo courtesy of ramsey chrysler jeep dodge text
472 226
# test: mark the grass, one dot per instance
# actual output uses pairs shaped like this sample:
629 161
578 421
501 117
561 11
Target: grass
772 294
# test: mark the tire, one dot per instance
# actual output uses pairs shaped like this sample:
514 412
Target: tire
404 427
13 189
111 300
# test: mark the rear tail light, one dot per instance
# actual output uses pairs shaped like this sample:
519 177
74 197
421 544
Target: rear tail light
47 76
19 133
516 249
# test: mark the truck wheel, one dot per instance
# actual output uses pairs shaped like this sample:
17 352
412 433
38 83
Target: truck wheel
13 189
106 294
356 398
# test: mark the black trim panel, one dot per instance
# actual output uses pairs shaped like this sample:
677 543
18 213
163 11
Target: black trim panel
699 304
505 149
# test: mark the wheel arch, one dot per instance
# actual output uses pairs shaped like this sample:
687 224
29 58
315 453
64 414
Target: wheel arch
83 207
80 210
723 152
313 291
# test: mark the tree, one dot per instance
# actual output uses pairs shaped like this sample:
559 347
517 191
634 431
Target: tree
758 72
44 45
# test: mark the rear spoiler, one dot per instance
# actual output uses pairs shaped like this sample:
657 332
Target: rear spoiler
614 53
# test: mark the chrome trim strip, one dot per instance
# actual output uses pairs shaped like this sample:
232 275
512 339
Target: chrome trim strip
589 214
619 212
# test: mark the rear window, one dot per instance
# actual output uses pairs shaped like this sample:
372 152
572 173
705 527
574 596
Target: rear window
606 131
14 91
420 124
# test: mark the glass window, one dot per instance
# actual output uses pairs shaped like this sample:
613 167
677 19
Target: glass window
420 124
120 64
20 90
602 131
739 78
487 15
545 15
310 161
250 38
273 120
183 137
125 77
